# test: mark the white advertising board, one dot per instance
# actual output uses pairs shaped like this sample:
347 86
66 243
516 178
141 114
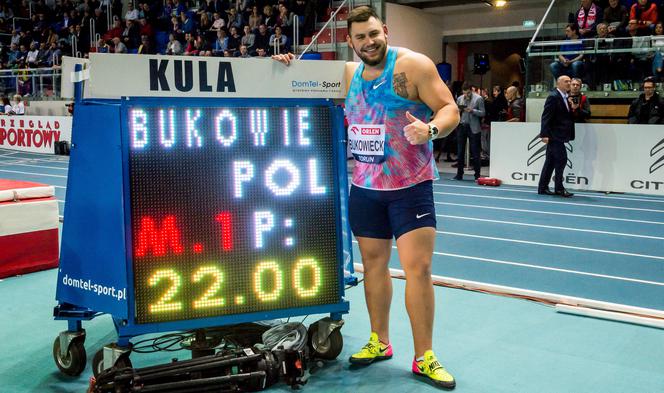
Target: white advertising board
68 77
603 157
118 75
36 134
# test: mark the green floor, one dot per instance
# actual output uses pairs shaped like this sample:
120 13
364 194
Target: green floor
490 343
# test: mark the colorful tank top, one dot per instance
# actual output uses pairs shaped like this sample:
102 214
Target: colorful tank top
384 159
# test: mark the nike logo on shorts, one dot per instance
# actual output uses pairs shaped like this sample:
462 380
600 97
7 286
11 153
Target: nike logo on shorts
418 216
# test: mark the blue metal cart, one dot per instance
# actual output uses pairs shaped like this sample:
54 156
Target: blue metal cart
186 214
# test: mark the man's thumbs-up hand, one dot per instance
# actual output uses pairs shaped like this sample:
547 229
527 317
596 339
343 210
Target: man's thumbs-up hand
417 132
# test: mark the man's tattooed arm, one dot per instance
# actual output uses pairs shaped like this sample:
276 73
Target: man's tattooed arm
399 84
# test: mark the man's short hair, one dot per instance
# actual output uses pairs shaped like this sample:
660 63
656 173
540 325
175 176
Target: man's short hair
578 80
361 14
574 27
466 86
649 79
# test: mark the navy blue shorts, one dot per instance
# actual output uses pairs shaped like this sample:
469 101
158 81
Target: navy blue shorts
386 214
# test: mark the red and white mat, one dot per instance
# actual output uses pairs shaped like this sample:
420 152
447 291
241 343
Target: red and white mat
28 227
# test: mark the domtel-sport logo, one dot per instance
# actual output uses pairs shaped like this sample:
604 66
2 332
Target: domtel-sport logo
537 150
659 162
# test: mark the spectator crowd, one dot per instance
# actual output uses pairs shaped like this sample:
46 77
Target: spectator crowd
618 24
39 32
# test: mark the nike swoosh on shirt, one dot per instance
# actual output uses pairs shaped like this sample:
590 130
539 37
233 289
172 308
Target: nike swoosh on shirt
379 84
418 216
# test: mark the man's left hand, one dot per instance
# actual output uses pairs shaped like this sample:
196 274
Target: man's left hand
417 132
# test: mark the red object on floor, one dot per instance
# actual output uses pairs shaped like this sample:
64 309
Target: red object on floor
488 181
28 227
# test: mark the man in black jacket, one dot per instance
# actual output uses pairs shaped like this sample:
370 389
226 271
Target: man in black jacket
648 108
578 102
557 129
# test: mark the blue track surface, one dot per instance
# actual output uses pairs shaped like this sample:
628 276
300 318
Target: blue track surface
595 246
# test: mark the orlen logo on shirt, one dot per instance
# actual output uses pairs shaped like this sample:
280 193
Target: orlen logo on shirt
370 131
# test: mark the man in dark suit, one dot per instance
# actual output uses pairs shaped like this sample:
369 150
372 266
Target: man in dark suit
557 129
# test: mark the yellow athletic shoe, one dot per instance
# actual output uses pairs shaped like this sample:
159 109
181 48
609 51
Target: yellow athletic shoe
374 350
430 368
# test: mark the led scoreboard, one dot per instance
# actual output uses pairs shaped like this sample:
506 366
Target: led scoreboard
233 207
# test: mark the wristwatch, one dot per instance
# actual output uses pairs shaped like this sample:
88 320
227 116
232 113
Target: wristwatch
433 131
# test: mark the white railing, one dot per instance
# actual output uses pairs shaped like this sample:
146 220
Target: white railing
93 30
37 83
333 20
539 27
597 46
14 21
109 17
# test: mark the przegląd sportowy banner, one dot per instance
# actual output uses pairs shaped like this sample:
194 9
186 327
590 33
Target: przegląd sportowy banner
603 157
36 134
117 75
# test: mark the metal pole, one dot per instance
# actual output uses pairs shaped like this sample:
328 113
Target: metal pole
78 86
334 33
109 17
546 14
56 82
93 30
74 45
296 33
314 40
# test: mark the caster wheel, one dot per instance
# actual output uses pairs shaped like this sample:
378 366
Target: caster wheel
329 348
98 362
73 363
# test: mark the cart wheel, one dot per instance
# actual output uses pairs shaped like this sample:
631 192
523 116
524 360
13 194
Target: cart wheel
330 348
73 363
98 362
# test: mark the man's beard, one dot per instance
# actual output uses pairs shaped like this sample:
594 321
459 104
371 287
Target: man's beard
381 51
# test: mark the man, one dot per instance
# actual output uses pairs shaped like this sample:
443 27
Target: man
570 62
261 53
616 17
471 106
640 62
262 39
244 52
578 102
119 46
605 61
557 129
648 108
645 15
392 196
